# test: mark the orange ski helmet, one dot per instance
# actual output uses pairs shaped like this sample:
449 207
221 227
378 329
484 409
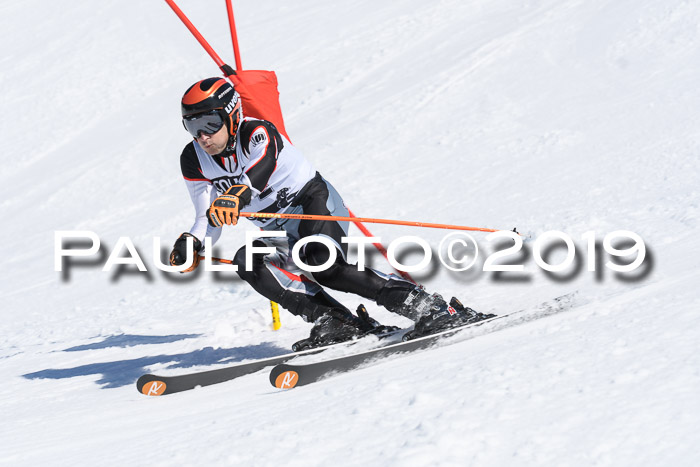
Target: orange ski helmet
214 95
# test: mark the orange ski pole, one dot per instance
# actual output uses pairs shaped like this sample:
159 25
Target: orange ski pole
369 220
218 260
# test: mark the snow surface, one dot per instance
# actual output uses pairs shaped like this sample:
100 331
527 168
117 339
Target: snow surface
543 114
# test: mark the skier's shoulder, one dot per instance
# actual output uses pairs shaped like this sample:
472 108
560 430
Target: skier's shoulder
249 125
188 151
254 132
189 163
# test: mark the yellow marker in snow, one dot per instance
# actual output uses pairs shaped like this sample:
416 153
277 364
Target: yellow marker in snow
276 324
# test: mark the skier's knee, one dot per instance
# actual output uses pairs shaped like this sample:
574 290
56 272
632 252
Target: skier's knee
318 254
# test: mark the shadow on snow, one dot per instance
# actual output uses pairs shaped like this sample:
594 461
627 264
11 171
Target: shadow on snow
124 372
130 340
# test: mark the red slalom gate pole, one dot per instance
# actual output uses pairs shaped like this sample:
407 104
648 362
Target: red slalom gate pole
234 36
227 71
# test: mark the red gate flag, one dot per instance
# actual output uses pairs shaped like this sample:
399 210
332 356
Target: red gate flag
260 97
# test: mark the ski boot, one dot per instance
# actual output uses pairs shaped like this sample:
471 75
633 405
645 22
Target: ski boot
437 316
339 325
478 316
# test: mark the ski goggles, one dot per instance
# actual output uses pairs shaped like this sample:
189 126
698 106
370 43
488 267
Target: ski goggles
207 123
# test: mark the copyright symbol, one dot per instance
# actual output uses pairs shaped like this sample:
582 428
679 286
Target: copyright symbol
459 248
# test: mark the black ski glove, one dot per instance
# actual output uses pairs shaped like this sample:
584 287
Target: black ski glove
179 253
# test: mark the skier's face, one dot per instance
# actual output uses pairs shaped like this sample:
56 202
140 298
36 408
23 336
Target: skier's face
214 144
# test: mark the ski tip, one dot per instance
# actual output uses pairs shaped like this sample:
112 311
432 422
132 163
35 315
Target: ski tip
283 378
150 385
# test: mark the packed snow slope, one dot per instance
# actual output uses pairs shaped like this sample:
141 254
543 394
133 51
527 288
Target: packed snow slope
543 115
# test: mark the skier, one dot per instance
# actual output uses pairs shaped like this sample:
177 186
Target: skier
237 162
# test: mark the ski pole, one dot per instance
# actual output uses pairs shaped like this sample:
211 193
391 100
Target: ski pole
369 220
218 260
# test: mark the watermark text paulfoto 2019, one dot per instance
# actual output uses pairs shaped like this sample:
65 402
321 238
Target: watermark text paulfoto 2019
458 251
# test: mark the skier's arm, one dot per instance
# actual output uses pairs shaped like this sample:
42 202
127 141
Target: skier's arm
202 195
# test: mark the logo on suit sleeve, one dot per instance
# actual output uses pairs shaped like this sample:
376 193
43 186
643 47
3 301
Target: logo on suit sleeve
260 137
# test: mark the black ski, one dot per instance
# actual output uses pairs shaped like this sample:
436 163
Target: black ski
153 385
287 376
